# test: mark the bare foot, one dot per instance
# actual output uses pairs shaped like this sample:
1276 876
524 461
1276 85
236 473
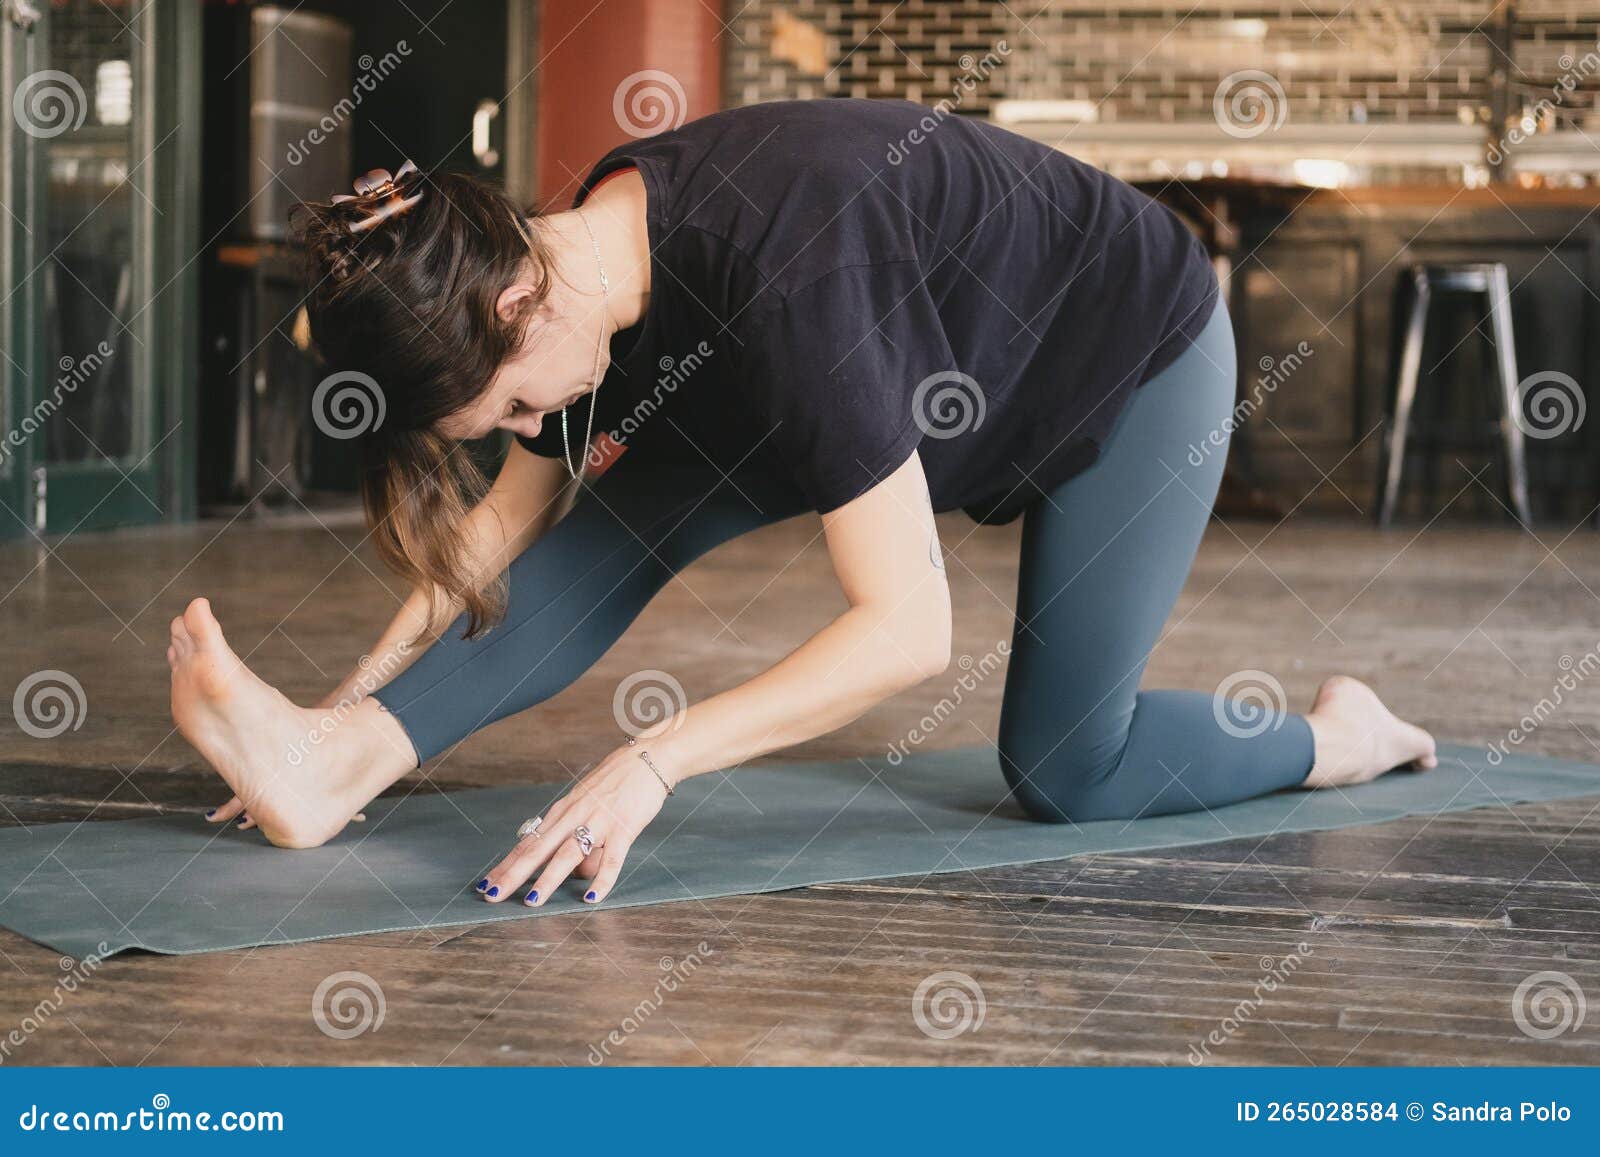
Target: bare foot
1358 738
301 773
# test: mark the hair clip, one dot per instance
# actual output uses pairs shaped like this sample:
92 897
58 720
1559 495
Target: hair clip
384 196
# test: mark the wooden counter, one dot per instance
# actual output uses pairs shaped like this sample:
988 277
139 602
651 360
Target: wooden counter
1487 197
1320 266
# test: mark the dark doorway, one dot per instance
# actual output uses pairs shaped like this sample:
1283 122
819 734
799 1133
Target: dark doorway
426 80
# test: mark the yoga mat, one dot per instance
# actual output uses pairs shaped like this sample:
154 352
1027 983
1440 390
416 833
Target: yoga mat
176 884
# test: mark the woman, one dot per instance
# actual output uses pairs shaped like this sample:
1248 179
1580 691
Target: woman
760 315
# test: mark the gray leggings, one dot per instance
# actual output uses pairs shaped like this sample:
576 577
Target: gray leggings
1104 557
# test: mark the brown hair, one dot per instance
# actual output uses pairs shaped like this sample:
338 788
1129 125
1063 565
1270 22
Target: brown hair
410 303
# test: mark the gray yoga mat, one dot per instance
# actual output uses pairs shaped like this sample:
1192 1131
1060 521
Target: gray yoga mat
179 885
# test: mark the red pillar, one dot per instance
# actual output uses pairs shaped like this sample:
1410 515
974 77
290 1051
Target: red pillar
613 70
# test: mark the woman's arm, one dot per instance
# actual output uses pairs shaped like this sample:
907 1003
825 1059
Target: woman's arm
528 496
896 632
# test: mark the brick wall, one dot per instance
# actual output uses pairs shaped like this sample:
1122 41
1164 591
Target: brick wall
1161 60
872 48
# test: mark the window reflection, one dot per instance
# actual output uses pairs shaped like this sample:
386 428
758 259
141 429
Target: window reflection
89 214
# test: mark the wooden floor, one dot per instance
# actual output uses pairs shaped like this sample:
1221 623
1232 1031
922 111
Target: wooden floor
1403 942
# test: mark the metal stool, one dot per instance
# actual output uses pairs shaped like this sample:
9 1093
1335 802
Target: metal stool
1490 280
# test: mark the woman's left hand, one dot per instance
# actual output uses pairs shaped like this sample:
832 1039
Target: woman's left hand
615 802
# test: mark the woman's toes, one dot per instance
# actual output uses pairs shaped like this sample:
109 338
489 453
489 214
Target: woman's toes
1333 688
202 625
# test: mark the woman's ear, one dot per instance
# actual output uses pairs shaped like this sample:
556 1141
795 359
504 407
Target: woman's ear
514 301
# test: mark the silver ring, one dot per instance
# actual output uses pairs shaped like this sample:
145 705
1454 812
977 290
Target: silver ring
530 827
585 839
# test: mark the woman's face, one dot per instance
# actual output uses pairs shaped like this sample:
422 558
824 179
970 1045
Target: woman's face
554 367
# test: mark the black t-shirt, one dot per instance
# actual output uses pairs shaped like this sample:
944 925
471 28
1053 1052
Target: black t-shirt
835 283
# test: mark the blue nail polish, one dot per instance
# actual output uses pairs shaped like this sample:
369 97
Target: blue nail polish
211 812
589 896
493 892
483 883
532 898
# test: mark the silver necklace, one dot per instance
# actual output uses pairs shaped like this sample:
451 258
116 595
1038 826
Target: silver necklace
605 312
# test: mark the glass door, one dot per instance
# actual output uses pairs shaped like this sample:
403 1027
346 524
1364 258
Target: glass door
16 334
94 430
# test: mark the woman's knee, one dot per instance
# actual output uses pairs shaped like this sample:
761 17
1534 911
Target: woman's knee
1064 784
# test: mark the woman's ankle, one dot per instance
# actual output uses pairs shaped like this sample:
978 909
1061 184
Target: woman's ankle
370 749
